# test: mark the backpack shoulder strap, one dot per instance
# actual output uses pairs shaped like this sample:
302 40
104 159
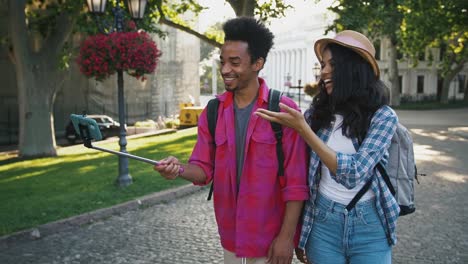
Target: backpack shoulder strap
212 116
274 98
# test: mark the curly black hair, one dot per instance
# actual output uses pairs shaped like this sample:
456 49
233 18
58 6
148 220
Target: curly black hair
356 94
258 37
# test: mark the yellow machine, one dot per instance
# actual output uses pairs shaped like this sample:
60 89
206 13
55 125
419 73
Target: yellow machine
189 114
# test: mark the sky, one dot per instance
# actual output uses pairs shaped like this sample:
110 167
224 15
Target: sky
219 10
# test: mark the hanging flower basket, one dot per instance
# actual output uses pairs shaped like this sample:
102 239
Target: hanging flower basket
132 52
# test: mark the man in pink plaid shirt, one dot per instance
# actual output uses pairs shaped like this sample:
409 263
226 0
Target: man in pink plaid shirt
256 209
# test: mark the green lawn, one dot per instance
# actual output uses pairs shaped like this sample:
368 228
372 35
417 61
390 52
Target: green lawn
79 180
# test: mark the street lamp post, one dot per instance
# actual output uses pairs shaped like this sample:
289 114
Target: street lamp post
300 88
137 10
316 70
287 82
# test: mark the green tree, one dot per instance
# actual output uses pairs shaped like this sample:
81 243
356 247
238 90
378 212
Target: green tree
264 10
411 26
377 19
441 24
38 36
38 33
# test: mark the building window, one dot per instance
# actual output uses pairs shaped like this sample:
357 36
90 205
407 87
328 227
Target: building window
461 83
420 84
421 56
442 52
399 54
400 82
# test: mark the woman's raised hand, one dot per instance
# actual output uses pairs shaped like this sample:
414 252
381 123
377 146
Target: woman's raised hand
290 117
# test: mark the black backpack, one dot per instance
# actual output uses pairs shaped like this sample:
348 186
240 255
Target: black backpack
274 97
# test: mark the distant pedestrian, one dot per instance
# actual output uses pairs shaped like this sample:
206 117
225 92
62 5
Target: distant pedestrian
349 128
256 210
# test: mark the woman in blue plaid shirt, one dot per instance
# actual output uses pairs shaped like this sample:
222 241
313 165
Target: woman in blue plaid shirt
348 127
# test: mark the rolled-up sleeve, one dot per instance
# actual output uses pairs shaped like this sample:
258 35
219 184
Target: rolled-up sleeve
358 167
295 164
204 151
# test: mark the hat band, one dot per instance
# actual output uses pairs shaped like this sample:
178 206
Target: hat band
352 42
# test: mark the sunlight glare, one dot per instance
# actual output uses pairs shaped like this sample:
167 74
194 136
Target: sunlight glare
24 176
451 176
85 169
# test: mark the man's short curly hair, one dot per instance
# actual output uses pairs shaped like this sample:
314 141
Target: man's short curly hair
258 37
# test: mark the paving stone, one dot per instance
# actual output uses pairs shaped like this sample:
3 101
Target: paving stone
184 230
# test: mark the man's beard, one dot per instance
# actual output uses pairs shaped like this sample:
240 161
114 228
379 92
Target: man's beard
227 89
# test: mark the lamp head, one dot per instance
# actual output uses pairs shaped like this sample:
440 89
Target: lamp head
137 8
96 6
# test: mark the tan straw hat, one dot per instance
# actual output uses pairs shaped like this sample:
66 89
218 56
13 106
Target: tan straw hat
353 40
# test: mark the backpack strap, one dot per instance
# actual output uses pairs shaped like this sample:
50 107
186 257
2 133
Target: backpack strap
384 174
366 186
358 196
212 115
274 97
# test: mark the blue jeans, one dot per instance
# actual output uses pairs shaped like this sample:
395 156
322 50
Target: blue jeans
354 237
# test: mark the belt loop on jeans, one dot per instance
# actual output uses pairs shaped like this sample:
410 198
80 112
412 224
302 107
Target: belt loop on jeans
331 206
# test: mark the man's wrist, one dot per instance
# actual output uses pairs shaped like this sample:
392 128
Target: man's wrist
181 170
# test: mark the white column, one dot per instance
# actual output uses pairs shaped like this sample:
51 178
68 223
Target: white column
214 77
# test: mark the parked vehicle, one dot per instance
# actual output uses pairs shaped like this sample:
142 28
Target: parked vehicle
189 114
106 124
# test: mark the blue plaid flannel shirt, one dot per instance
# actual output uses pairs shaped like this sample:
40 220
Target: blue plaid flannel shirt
359 167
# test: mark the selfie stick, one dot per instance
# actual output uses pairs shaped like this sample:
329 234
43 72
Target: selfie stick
84 131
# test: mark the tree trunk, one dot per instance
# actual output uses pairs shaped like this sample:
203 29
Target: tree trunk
393 75
37 86
38 79
465 94
444 98
243 8
248 8
445 90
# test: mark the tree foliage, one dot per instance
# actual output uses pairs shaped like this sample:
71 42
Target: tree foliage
376 19
38 39
264 10
439 24
412 26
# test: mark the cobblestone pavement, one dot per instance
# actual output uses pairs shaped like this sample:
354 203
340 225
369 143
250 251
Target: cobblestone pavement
437 232
184 230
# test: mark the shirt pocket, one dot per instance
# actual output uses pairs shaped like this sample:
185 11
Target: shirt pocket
263 148
221 149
